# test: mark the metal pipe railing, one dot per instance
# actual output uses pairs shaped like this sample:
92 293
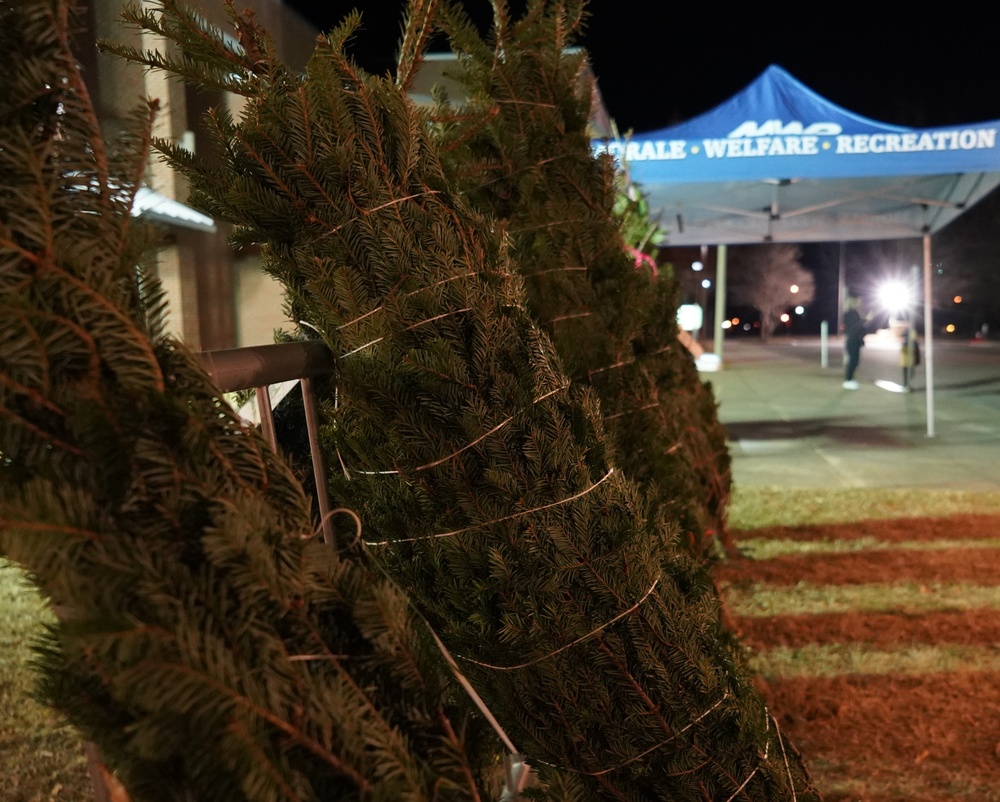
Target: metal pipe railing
235 369
258 366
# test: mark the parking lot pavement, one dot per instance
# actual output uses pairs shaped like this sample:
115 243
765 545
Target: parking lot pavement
792 424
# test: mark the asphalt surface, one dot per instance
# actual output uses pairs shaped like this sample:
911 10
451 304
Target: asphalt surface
791 423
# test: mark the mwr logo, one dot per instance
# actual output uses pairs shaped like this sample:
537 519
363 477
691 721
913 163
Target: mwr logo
777 128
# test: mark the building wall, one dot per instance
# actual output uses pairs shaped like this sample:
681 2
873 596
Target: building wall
260 307
205 281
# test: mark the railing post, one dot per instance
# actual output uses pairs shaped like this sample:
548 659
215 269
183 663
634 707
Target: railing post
266 416
319 469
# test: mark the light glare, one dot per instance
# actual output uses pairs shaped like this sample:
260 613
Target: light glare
895 296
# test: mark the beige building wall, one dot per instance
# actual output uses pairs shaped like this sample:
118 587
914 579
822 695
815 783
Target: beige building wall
205 282
260 304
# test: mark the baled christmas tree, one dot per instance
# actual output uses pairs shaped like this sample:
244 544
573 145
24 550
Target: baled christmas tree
481 473
519 147
208 643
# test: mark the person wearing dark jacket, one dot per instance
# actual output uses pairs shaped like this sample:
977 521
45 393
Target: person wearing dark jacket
855 328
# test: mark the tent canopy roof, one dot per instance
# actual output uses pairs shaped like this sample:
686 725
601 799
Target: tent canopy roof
778 162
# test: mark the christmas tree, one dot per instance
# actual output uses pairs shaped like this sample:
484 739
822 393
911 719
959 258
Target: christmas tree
519 147
482 474
206 640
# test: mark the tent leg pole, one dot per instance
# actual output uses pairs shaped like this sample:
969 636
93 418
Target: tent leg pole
841 284
720 300
928 336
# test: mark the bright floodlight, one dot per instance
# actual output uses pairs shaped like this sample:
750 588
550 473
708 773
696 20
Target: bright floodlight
895 296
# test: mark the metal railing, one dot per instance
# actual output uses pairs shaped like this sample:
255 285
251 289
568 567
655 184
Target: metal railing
260 366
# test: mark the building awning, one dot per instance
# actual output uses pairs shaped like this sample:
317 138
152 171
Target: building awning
157 207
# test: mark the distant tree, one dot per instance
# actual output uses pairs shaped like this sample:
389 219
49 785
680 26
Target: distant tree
965 256
769 278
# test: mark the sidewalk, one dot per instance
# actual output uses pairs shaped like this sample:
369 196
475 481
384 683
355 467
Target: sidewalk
791 424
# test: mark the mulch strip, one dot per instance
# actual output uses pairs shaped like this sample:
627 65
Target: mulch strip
974 565
967 527
878 630
934 738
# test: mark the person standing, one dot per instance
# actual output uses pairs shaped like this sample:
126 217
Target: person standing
909 356
854 338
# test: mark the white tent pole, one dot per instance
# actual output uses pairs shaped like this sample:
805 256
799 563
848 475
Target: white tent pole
720 300
841 285
928 335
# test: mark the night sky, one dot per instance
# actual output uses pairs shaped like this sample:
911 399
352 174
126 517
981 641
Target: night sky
660 62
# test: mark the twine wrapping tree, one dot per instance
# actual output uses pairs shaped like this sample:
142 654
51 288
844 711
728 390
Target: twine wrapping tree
205 639
481 473
519 147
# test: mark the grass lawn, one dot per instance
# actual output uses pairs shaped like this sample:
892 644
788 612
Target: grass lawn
755 508
871 618
41 754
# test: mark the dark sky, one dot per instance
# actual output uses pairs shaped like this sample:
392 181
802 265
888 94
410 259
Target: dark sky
662 61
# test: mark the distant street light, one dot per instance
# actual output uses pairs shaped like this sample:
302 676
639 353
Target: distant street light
794 288
895 296
697 267
706 283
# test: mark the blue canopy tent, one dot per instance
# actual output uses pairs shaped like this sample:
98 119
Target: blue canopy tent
779 163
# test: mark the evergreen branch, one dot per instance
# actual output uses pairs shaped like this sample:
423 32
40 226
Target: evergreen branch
466 769
63 321
41 433
417 30
34 395
40 527
77 87
260 759
289 730
208 60
135 337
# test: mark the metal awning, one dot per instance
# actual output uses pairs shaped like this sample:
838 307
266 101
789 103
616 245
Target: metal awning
155 206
